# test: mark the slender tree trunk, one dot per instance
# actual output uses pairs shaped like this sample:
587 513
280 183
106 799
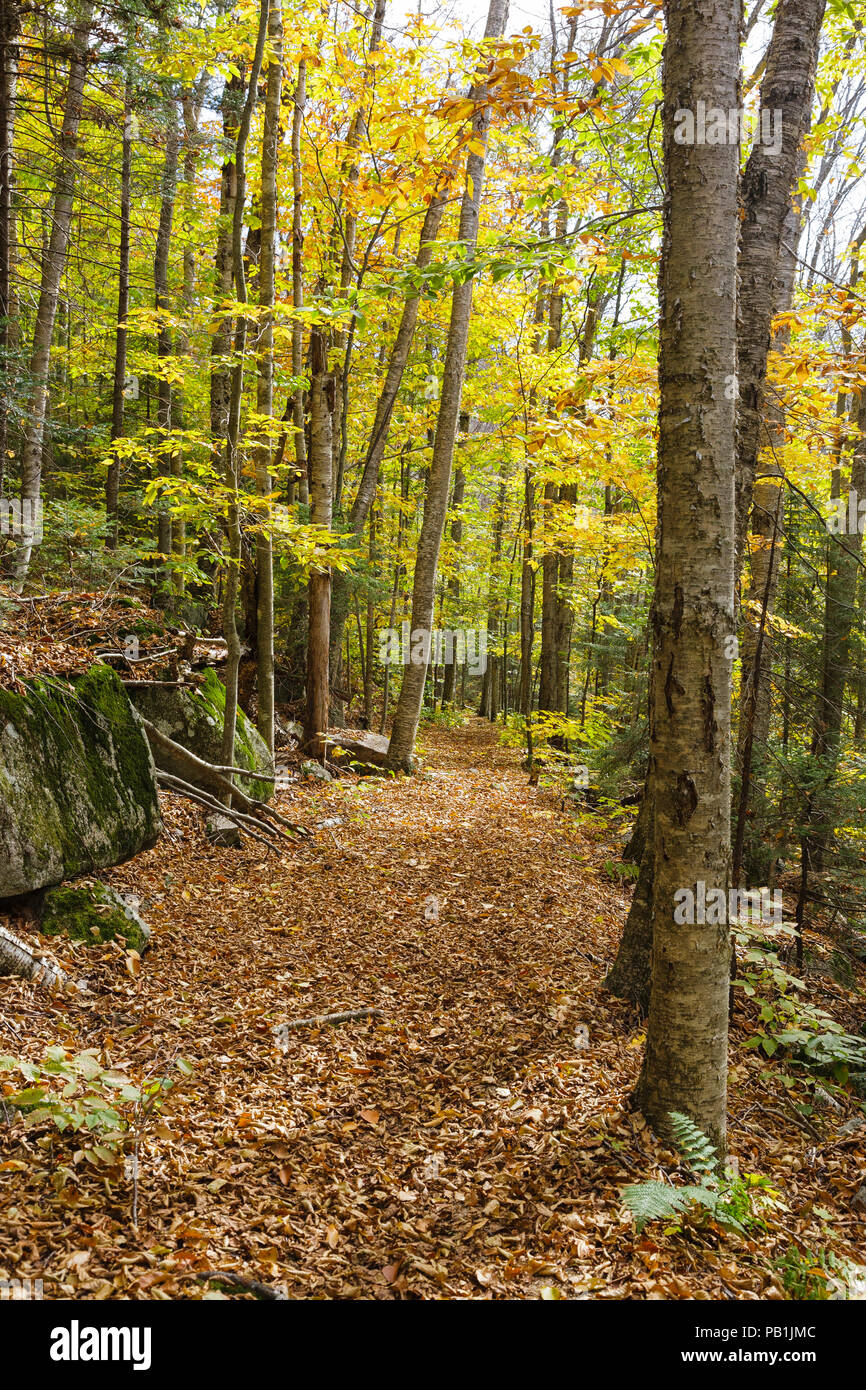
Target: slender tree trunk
265 388
527 607
685 1063
769 183
298 105
370 623
382 422
233 522
457 495
549 583
164 345
436 502
52 270
765 549
342 339
322 397
112 481
191 100
9 21
399 572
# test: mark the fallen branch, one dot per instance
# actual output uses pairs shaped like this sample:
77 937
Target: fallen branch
226 1276
138 685
18 959
349 1016
134 660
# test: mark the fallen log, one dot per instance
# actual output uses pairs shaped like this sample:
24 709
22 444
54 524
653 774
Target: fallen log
18 959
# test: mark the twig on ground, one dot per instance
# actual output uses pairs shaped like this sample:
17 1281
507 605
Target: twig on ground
348 1016
227 1276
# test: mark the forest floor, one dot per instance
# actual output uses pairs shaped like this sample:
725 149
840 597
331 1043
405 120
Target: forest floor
472 1142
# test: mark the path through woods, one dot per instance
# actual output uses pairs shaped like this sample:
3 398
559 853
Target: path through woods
472 1142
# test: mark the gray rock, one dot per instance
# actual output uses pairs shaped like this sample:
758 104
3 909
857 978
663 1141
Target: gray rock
313 769
77 783
223 832
359 749
194 718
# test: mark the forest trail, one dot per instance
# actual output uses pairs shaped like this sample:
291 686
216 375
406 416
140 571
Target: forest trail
444 1149
471 1142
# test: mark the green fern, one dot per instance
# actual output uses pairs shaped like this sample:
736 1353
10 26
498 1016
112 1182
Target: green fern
694 1145
736 1203
654 1201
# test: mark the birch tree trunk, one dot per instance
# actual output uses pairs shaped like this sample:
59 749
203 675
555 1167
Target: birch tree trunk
164 344
767 192
9 21
685 1062
769 182
232 465
265 385
322 399
112 481
400 350
52 270
299 102
408 710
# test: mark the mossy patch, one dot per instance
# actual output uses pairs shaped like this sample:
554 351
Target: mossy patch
77 784
91 913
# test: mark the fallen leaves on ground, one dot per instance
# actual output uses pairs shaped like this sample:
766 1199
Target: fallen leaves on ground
473 1142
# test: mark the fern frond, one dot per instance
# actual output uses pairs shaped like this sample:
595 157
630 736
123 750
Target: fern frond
650 1201
693 1144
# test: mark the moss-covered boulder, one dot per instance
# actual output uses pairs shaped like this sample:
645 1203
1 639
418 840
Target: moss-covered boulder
195 719
92 912
77 781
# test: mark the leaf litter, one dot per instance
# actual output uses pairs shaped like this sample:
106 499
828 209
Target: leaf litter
471 1142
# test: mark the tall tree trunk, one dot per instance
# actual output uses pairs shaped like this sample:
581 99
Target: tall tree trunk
298 104
220 382
527 605
322 398
164 345
765 549
232 463
342 338
769 183
382 422
458 493
191 103
685 1062
112 481
52 269
265 386
767 195
549 582
9 21
436 501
